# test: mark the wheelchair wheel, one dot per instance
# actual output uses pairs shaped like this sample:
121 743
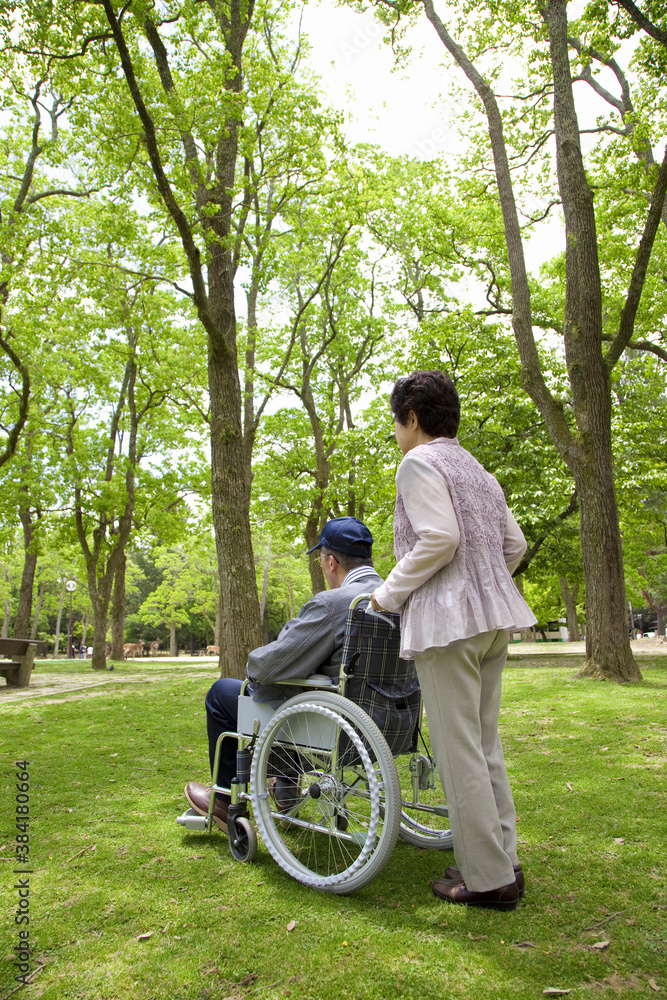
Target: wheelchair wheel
244 845
331 817
424 814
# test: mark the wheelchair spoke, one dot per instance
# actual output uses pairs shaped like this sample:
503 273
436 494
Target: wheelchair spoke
321 815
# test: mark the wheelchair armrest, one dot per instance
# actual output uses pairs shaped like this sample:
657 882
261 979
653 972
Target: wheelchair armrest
313 681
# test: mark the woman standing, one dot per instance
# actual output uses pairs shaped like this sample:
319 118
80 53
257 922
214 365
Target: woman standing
456 545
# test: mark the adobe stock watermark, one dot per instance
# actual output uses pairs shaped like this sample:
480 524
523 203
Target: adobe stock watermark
22 872
431 145
361 40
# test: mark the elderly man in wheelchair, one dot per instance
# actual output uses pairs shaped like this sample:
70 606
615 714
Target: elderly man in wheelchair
324 738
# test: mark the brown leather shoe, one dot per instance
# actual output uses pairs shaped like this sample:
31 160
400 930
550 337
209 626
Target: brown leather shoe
504 898
285 793
198 796
453 874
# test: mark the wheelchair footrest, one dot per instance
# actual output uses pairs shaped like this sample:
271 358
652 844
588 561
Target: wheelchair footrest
191 820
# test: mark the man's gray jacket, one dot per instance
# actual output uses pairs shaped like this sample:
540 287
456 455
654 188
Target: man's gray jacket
310 643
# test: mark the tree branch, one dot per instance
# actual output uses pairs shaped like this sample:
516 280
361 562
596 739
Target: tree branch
24 400
532 375
191 249
169 87
546 531
628 316
640 19
641 345
61 191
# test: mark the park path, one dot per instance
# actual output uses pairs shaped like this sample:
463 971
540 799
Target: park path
69 687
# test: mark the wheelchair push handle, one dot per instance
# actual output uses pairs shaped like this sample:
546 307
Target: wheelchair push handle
370 610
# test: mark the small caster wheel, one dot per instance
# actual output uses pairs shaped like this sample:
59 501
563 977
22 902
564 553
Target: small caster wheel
243 844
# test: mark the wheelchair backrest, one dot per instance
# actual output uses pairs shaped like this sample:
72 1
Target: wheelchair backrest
377 679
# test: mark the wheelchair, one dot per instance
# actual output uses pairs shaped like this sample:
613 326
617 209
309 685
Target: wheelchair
338 772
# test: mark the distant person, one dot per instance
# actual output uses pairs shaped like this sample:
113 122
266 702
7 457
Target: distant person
310 643
82 651
456 544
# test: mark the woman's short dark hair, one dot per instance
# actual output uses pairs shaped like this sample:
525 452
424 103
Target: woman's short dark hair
433 399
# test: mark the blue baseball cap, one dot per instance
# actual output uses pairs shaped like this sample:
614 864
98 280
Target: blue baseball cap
346 534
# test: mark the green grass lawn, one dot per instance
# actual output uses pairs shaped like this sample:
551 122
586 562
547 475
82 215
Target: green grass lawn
107 771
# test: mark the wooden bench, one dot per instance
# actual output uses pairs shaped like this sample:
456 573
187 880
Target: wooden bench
21 657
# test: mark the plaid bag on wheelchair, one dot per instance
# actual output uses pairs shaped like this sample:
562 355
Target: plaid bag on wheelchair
383 684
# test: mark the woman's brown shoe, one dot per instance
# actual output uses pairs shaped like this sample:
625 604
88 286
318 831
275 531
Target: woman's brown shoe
504 898
453 874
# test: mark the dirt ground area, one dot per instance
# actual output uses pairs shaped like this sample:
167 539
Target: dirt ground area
656 645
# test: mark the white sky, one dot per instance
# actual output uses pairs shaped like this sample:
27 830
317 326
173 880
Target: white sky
405 111
399 110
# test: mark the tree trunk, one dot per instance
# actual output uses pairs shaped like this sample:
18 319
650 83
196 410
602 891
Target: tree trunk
312 536
265 580
61 601
231 473
569 595
608 652
118 611
527 634
41 589
588 454
99 657
659 609
231 478
218 620
8 607
24 610
173 646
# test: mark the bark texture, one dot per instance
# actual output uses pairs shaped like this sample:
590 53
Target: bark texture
24 609
118 611
569 595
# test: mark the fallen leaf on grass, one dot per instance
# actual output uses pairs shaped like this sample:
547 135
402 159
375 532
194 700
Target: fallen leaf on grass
146 936
570 787
601 945
619 840
654 986
525 944
292 924
477 937
554 991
